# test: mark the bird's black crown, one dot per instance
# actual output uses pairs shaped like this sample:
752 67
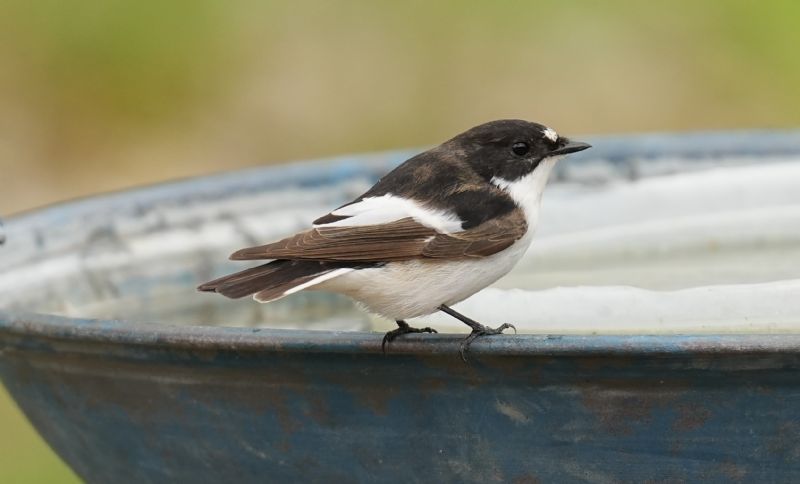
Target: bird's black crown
510 148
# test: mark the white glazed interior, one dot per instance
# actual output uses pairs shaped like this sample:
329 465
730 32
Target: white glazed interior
709 245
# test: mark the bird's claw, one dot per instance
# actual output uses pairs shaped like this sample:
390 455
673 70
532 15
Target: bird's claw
482 331
393 334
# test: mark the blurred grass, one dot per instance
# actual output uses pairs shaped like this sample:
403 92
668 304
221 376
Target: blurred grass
24 457
100 95
103 95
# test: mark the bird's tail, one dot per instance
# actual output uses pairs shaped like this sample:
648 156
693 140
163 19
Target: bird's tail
276 279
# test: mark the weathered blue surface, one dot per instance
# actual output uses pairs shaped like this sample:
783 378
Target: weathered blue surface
134 402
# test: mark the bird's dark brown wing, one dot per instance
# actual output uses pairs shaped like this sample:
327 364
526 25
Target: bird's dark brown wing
402 239
484 240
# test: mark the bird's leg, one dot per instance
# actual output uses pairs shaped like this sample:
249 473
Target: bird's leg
402 328
477 329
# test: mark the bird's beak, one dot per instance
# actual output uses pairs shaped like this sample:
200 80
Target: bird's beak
567 146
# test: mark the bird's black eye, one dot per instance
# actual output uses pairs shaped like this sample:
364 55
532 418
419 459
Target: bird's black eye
520 148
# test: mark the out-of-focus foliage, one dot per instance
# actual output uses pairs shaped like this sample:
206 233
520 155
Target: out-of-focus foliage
24 457
99 95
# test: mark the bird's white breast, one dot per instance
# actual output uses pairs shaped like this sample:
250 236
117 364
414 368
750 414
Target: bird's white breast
527 191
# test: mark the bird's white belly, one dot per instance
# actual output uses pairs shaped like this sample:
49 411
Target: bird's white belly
408 289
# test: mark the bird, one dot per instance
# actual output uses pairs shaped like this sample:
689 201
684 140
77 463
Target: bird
435 230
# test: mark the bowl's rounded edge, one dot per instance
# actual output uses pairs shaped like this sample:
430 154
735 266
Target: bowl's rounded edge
93 332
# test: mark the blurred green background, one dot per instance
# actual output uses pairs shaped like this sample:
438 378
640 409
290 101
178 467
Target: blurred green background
101 95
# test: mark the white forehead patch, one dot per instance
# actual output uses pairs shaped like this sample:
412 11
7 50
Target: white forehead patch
550 134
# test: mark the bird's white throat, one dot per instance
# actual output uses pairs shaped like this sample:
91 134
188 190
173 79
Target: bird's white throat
527 191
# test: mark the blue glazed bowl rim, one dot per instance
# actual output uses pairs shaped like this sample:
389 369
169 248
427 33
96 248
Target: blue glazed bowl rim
21 326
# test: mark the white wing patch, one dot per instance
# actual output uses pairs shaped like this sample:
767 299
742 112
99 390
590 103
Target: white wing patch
313 282
318 280
388 208
550 134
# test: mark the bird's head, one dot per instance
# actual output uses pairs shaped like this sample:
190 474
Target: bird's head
511 149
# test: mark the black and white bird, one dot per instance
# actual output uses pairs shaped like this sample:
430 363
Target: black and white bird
434 231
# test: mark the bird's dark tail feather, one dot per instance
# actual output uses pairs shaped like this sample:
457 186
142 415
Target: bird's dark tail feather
273 280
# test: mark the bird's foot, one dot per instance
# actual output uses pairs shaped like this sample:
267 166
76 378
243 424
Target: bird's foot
481 330
402 328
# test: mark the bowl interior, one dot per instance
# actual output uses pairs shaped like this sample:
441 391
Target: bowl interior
652 223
